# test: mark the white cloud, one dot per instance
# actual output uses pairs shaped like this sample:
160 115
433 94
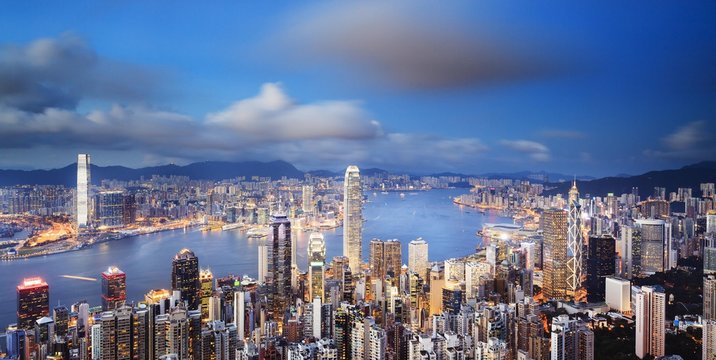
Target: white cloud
688 136
273 116
535 150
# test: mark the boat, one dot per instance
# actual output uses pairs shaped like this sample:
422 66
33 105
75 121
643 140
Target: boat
256 233
402 196
231 226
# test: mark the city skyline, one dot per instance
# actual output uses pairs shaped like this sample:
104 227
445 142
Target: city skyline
279 86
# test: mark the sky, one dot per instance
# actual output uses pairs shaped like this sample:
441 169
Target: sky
591 89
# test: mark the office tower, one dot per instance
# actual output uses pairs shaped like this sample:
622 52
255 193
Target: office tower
711 221
194 338
574 242
618 294
116 334
114 288
307 204
650 318
280 266
600 264
129 209
385 259
33 302
61 315
708 350
185 277
656 253
96 339
418 257
709 253
316 266
710 297
352 218
263 261
240 313
631 249
111 209
206 279
83 190
555 254
451 298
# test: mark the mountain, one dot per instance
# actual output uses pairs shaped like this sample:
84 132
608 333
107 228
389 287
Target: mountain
688 176
208 170
535 176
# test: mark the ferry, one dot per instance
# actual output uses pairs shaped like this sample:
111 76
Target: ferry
231 226
256 233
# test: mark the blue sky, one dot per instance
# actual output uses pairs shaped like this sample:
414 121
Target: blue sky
593 89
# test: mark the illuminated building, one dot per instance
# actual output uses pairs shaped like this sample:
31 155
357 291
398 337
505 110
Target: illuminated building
618 294
280 266
650 318
600 264
708 351
33 302
709 297
418 257
114 288
83 189
554 283
574 242
206 278
116 334
263 262
185 277
171 334
307 203
656 253
316 266
111 209
385 259
352 218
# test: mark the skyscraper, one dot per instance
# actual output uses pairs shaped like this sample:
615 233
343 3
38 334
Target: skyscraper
600 264
574 242
111 208
352 218
263 261
185 277
280 266
650 318
656 253
708 351
114 288
117 334
418 257
316 265
385 259
555 254
710 297
33 302
206 279
83 189
307 199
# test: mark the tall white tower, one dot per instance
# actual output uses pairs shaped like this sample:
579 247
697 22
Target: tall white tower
352 218
574 242
83 189
418 257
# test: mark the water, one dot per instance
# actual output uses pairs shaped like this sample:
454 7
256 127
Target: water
449 230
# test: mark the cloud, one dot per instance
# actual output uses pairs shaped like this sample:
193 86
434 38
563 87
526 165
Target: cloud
535 150
272 115
60 72
416 45
562 134
267 126
688 136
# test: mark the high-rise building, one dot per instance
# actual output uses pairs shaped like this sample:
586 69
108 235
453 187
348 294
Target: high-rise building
83 190
316 266
710 297
352 218
418 257
218 341
33 302
114 288
117 334
708 350
656 255
111 209
307 199
618 294
240 313
574 242
385 259
185 277
571 339
263 261
554 283
171 334
650 318
206 279
280 266
600 264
